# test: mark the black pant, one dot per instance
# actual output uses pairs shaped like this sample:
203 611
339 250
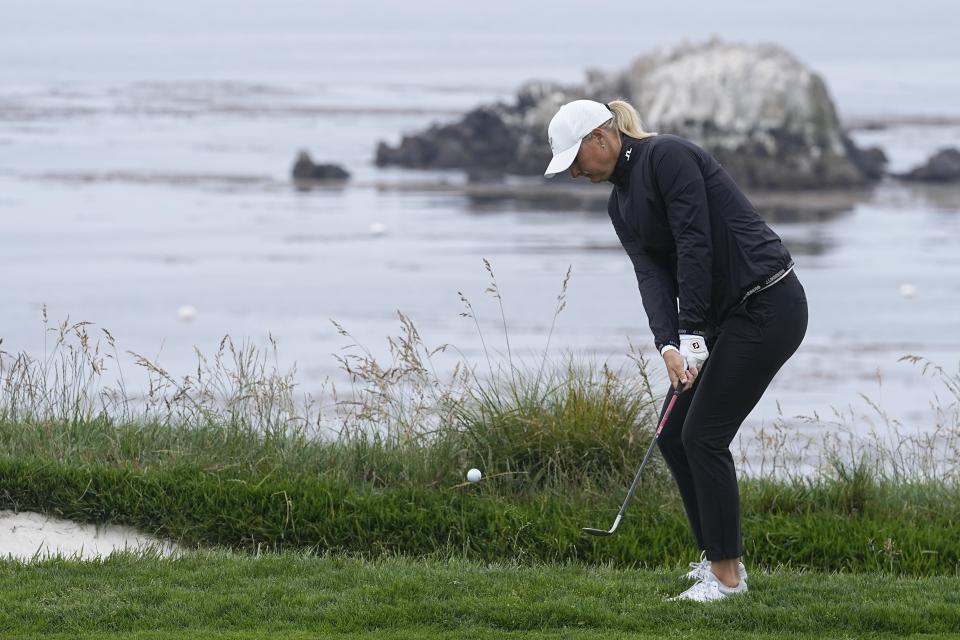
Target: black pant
751 346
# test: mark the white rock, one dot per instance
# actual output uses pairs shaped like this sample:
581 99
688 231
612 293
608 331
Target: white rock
739 89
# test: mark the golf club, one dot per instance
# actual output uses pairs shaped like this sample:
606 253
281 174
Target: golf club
636 478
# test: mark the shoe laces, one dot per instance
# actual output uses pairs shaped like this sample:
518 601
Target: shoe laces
702 563
699 569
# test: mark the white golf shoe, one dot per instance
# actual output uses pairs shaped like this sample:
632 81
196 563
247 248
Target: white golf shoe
709 589
700 570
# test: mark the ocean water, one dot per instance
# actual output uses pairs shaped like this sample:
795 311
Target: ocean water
145 154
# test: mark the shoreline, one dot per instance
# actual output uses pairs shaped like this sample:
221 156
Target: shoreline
530 192
887 121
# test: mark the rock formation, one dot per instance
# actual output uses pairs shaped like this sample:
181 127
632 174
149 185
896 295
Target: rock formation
943 166
768 118
304 170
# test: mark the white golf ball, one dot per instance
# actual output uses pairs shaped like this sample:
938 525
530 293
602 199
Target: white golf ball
378 228
474 475
186 313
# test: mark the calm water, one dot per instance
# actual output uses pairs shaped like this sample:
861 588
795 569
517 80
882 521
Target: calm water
144 154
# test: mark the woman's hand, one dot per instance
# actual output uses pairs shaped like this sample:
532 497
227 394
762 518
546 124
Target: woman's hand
677 369
693 349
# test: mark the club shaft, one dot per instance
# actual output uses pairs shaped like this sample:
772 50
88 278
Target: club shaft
636 478
646 457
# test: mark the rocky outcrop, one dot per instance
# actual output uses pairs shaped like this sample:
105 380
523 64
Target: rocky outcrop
943 166
872 162
490 139
304 170
762 113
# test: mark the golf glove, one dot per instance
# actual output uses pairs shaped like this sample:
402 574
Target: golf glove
693 349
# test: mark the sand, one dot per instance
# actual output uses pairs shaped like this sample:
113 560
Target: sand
27 536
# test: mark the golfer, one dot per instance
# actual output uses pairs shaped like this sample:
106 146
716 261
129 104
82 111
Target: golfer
692 235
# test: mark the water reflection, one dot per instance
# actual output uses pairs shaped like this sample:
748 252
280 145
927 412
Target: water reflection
937 197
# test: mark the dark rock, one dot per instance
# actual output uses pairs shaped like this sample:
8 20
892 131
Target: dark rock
943 166
304 170
489 138
768 118
872 161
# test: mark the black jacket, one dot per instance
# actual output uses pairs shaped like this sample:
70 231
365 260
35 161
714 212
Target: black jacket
691 234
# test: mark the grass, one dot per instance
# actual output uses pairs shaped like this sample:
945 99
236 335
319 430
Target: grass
232 455
358 497
285 595
803 527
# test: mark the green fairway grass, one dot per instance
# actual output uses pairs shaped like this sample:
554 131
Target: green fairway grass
225 595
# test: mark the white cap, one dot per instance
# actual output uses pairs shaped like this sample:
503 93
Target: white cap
572 122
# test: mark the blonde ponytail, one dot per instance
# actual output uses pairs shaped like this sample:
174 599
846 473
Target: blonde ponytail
625 120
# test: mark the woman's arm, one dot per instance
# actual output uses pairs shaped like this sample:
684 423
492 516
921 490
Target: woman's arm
680 181
657 286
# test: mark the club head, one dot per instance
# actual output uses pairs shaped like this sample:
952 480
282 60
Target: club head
603 532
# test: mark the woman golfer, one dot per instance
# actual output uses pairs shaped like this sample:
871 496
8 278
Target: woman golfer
692 235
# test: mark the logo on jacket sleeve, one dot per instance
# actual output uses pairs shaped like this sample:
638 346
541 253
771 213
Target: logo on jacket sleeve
627 154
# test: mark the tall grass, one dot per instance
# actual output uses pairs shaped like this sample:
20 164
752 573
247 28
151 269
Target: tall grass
235 453
867 441
560 420
564 420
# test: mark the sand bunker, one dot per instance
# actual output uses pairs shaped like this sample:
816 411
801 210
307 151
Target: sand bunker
28 536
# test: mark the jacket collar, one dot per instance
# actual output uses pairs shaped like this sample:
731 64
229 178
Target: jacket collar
621 172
